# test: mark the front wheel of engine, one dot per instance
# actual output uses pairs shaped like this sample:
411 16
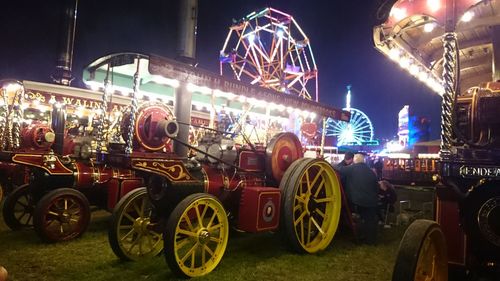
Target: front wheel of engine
18 208
133 235
311 204
422 253
62 214
196 235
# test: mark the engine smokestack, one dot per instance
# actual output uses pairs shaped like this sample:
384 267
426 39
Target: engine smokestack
62 74
186 43
58 123
188 14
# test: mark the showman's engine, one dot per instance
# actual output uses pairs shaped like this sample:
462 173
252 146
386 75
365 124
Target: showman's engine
37 136
153 129
477 120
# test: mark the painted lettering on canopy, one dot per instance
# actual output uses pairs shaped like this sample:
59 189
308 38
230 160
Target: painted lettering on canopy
485 172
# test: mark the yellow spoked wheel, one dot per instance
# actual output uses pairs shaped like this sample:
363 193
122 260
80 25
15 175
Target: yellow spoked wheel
196 235
422 254
133 234
311 204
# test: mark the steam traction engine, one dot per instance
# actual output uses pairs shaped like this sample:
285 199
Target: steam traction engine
62 177
191 201
466 234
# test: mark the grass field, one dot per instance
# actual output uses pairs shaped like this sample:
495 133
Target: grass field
248 257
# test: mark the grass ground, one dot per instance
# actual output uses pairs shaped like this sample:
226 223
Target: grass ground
248 257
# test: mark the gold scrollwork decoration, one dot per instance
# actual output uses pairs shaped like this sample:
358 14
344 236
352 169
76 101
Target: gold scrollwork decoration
174 172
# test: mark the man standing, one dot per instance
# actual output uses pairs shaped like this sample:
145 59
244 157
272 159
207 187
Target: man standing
347 159
361 187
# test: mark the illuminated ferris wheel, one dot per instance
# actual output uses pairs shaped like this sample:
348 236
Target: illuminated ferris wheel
269 49
357 131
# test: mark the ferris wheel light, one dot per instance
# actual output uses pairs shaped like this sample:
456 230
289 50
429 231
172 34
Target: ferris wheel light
429 27
312 115
280 33
251 38
433 5
271 42
398 13
467 16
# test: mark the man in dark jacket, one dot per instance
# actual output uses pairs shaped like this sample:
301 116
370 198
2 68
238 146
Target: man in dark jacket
347 159
361 187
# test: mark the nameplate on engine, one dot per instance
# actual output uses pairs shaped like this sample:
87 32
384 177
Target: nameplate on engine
480 172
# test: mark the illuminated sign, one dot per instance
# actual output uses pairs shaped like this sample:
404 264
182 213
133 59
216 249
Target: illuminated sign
484 171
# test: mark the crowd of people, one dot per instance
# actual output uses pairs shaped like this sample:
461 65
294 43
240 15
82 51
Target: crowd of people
368 195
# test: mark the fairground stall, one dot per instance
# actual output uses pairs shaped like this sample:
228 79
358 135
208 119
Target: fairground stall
452 47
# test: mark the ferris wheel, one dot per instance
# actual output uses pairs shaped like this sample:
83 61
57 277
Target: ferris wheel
269 49
357 131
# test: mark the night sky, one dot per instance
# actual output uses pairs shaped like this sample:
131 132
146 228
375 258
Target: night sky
340 33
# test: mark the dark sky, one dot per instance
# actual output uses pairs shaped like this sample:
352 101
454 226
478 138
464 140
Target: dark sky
340 33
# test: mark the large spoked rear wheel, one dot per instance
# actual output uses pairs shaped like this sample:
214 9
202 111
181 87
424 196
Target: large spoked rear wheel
18 208
311 204
132 235
422 253
62 214
196 235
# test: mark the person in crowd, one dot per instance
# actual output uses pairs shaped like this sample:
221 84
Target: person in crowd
361 187
377 167
347 159
387 197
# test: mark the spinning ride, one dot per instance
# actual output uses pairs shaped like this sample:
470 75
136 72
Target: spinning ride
269 49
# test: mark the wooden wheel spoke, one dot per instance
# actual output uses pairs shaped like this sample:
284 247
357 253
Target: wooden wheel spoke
181 243
300 218
217 240
317 225
324 200
129 217
320 187
207 249
187 233
188 253
72 205
22 204
52 213
317 176
319 212
143 207
125 227
127 235
308 182
188 222
209 225
198 216
298 207
211 228
137 209
300 199
49 222
309 231
301 231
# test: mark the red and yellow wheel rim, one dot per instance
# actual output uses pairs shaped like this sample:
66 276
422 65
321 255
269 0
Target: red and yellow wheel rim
312 204
201 236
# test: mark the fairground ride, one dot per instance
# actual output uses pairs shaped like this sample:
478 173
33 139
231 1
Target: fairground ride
359 129
452 46
269 49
